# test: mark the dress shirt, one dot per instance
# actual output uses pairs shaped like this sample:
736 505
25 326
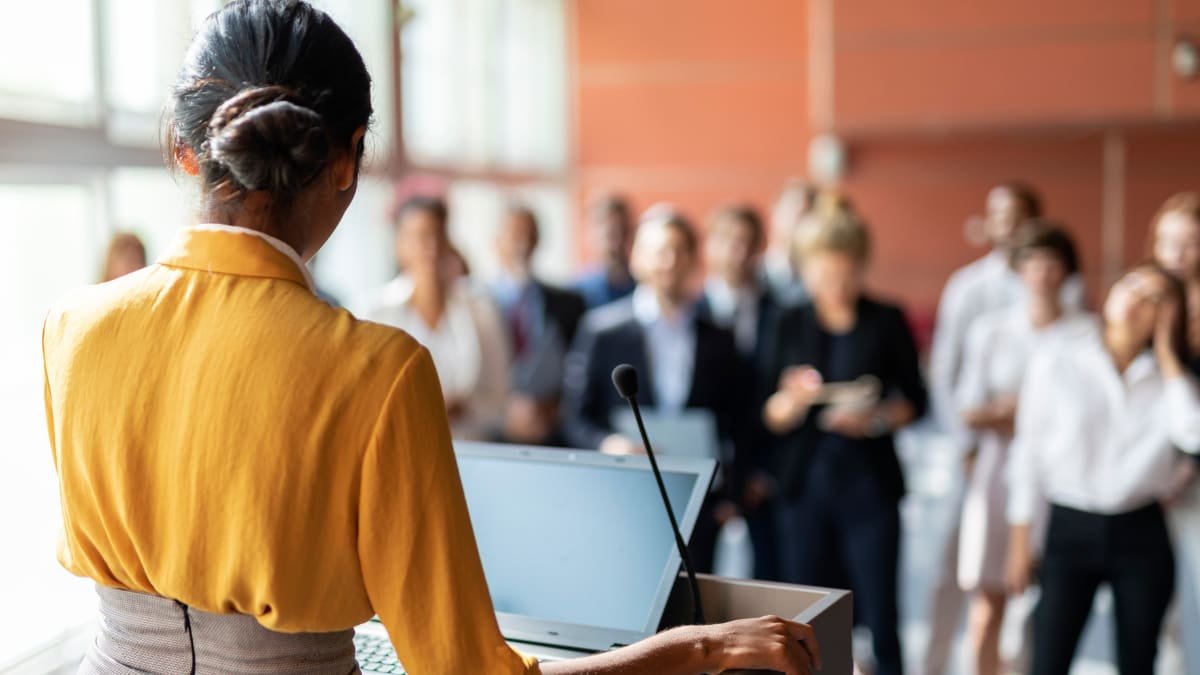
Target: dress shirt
670 347
984 286
524 296
469 349
735 310
1095 439
224 438
1001 344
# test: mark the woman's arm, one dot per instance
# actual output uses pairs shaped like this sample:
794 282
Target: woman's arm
1035 419
416 548
766 643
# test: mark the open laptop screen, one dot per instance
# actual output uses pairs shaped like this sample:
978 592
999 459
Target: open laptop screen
577 537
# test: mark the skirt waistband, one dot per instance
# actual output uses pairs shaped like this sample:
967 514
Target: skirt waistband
142 633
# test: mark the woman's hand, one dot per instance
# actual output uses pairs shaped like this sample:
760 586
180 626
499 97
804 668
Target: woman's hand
799 386
765 643
852 423
1018 573
1164 347
616 444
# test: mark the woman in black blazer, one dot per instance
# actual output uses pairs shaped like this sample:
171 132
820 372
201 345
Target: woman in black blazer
839 480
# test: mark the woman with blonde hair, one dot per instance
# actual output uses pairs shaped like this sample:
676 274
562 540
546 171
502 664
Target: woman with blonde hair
845 379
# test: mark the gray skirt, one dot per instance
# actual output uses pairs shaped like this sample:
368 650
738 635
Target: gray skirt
142 633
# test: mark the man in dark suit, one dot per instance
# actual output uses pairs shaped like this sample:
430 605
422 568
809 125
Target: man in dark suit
740 300
685 361
541 321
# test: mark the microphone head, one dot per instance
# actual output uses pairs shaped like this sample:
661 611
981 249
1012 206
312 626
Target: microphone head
625 379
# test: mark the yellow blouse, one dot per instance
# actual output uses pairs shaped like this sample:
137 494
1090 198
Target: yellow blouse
225 438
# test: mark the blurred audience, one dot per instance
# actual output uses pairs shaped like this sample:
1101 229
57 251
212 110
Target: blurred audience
986 285
738 299
1100 419
460 327
780 267
808 377
611 227
685 362
999 346
541 321
126 254
848 378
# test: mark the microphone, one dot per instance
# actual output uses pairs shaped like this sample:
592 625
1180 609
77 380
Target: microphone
625 379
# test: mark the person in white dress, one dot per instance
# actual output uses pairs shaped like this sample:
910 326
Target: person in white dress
1100 421
983 286
459 325
999 347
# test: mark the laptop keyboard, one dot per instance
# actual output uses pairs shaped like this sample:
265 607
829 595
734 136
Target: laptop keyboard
376 655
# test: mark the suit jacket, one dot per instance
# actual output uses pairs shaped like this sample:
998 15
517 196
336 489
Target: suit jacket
538 372
611 336
881 345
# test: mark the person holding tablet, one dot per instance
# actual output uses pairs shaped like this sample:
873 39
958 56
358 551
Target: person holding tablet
248 473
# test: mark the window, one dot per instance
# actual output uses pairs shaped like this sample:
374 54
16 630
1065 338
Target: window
484 84
61 88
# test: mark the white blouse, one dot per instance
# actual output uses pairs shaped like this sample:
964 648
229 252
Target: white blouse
468 346
984 286
1095 439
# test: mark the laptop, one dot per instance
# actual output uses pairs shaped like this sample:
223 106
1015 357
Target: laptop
691 432
605 560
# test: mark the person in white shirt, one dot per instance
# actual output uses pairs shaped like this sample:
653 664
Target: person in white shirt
999 347
1099 421
457 324
983 286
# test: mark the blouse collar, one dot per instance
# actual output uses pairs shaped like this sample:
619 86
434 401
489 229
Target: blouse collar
240 251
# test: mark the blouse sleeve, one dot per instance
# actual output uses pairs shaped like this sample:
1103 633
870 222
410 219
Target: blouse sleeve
972 391
1183 413
946 356
417 550
1034 424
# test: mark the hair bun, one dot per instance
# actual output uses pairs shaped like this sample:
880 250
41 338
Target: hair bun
268 141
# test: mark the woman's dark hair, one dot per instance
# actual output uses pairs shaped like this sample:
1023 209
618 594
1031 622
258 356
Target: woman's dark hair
1039 235
434 206
268 92
746 215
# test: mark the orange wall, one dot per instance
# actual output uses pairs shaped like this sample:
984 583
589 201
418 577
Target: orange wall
698 102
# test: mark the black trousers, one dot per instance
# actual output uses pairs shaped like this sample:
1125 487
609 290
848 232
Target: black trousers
844 532
1132 553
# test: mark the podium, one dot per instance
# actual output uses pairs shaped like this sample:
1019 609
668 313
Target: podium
829 611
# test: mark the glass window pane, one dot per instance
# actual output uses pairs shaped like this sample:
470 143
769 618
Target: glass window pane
152 204
49 245
368 23
43 84
144 45
484 83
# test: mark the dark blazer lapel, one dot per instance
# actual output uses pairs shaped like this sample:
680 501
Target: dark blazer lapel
635 352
